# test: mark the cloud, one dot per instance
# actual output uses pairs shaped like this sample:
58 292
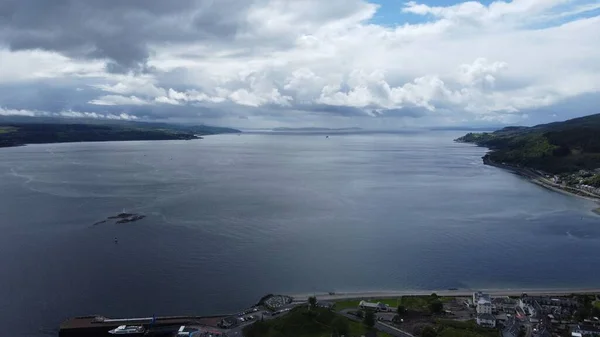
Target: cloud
66 114
276 61
118 100
121 32
16 112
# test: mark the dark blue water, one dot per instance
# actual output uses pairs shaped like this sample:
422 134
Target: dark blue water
230 218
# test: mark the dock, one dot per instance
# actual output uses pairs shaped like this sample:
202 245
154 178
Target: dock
98 326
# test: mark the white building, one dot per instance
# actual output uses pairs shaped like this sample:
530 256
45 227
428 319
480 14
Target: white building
479 295
374 306
484 306
586 330
486 320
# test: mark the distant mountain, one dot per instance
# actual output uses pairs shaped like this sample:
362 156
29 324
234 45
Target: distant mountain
558 147
16 130
313 129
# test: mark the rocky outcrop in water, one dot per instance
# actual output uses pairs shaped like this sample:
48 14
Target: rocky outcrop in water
122 218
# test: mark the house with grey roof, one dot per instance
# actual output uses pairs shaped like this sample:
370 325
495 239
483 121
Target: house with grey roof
486 320
511 328
373 306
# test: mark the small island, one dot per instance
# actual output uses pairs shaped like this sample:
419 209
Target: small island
122 218
563 156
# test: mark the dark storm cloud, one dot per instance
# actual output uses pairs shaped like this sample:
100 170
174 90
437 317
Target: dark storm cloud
119 31
413 112
336 110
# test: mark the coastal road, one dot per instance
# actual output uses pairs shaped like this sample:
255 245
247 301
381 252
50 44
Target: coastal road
460 292
264 314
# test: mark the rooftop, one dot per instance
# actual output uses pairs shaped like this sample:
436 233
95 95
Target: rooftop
586 327
487 317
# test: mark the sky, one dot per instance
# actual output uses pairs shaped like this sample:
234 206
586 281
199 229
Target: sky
300 63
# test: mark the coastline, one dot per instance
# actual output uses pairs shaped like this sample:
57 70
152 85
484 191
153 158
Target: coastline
543 182
442 292
196 137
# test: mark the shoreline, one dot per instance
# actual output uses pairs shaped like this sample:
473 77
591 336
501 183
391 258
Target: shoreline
543 182
444 292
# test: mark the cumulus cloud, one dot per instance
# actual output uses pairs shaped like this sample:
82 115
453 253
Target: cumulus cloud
278 61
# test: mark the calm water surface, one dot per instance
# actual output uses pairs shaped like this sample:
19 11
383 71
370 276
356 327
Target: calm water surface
230 218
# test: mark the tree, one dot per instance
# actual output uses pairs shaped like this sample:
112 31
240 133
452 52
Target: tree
340 326
401 310
257 329
312 301
369 319
436 306
428 331
595 311
582 314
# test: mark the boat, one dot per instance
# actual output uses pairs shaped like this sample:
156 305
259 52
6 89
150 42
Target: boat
127 330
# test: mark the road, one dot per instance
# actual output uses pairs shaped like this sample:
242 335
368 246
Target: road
384 327
443 292
264 314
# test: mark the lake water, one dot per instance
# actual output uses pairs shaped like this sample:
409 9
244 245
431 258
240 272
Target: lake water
231 218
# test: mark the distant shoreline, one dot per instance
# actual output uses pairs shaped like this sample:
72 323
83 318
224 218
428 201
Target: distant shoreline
444 292
541 181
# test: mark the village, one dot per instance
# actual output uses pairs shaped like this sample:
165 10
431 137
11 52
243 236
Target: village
451 314
483 315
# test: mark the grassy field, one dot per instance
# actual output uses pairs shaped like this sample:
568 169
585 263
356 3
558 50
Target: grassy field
299 322
416 303
346 304
449 328
7 129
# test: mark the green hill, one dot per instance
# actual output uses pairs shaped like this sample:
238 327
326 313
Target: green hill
300 322
560 147
31 130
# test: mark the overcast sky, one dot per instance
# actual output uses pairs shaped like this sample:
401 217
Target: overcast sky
267 63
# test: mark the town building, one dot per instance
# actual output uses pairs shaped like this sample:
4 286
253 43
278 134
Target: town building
373 306
586 330
483 306
478 295
505 304
486 320
511 328
326 305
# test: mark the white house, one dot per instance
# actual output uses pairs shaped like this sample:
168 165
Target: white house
484 306
486 320
374 306
479 295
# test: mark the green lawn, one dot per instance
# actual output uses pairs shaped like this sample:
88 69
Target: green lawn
358 329
450 328
416 303
346 304
299 322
